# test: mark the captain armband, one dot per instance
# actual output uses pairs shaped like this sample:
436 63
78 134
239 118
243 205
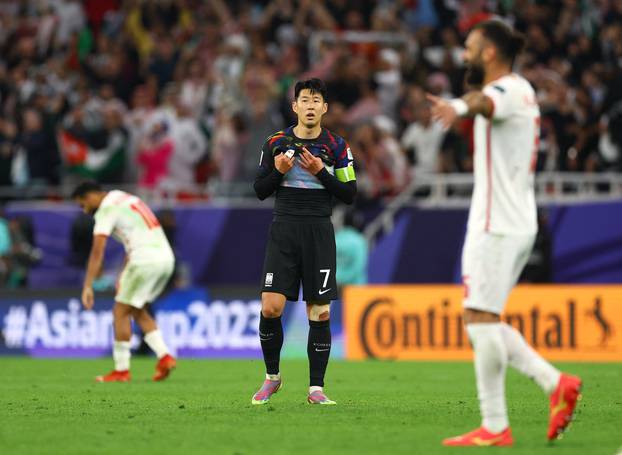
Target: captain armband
345 174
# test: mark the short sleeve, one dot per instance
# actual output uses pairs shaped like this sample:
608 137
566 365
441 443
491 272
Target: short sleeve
105 220
502 98
344 163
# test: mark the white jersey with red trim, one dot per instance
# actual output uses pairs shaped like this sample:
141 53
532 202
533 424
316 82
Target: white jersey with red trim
506 146
128 219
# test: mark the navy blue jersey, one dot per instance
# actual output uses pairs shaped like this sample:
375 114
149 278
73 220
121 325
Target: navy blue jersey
299 193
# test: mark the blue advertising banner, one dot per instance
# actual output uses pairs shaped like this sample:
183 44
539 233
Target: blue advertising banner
195 322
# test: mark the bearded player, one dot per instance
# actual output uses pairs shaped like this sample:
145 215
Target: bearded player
501 230
306 165
148 268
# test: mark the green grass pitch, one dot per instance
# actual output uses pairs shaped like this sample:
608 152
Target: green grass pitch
52 406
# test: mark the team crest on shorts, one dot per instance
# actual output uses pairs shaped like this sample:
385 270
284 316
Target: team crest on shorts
269 278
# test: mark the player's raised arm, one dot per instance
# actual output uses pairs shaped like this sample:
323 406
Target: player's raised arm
470 105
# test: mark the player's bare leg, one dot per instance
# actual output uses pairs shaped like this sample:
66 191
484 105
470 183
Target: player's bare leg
318 350
271 338
153 338
121 314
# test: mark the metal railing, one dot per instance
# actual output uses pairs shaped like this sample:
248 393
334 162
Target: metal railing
393 39
428 191
454 191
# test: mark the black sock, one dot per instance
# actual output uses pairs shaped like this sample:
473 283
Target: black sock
318 350
271 337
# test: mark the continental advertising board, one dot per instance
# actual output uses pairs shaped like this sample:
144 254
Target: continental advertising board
574 323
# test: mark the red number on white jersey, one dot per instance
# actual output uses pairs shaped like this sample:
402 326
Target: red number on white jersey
145 212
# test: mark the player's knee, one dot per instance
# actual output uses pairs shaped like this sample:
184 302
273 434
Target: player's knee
120 310
271 306
472 316
271 312
319 312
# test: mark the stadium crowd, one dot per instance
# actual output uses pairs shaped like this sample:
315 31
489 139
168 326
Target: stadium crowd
171 94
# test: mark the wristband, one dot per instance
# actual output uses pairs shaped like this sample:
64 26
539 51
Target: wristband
460 106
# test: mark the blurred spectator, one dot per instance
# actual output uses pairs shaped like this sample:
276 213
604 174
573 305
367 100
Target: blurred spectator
94 141
40 150
95 76
8 133
190 146
380 160
17 253
230 139
154 156
164 61
454 151
610 142
352 251
5 246
422 141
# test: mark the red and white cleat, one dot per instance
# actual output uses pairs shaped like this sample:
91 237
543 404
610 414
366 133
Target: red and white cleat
563 402
115 376
481 438
164 367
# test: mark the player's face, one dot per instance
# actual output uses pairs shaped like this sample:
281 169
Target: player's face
310 107
88 203
473 58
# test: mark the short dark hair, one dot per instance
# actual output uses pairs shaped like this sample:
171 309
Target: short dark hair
85 188
508 42
315 85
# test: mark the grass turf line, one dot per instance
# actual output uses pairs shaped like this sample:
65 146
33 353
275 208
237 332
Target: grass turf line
53 406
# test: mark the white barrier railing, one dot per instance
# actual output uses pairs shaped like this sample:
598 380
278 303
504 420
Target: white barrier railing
454 191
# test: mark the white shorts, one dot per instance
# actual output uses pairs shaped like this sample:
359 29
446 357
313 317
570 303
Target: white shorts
491 266
140 284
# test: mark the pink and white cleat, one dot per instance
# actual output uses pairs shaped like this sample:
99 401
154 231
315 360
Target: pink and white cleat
318 397
269 388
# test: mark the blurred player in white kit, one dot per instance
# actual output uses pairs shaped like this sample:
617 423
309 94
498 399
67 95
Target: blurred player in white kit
148 268
501 230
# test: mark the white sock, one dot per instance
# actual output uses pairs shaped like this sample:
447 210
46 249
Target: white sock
490 366
315 388
121 355
155 341
273 377
522 357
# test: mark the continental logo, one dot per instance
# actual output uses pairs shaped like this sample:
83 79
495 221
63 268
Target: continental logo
425 322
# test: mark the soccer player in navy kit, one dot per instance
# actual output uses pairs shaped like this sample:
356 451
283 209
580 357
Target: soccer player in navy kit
306 165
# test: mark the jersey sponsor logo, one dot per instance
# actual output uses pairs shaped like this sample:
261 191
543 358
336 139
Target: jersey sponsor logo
269 279
323 291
